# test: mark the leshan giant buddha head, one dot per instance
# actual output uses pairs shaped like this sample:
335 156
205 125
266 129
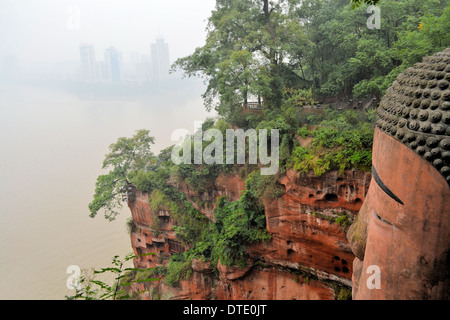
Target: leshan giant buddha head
401 237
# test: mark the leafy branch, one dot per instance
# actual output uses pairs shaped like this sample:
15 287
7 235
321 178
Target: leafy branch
127 156
358 3
92 289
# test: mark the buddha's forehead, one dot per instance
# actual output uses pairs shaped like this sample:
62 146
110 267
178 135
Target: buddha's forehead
416 110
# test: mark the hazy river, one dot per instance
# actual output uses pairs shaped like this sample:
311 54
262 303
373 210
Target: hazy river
52 145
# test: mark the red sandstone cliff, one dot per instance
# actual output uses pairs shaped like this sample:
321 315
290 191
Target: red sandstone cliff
307 256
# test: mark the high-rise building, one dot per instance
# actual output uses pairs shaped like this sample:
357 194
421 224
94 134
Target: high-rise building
88 63
160 59
113 64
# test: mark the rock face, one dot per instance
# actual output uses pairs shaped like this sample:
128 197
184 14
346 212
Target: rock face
303 223
225 185
308 256
152 233
272 284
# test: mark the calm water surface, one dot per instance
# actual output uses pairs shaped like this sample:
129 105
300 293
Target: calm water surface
52 145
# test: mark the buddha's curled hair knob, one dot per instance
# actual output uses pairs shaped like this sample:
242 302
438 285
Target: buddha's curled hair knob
416 110
435 116
445 144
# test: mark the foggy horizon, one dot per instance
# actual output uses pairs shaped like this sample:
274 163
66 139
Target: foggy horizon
45 35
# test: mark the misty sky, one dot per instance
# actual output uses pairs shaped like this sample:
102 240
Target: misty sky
49 31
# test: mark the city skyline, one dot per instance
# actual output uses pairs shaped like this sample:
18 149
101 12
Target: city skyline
139 67
49 32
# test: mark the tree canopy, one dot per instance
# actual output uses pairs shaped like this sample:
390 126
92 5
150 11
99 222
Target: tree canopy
256 49
248 47
126 158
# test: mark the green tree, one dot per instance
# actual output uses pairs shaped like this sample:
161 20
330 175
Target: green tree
344 56
247 46
428 34
127 157
358 3
413 30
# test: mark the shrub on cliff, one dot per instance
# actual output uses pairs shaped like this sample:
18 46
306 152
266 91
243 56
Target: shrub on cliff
341 141
259 187
238 224
178 268
191 224
131 226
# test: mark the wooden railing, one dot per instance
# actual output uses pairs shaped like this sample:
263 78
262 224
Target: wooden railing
252 105
175 246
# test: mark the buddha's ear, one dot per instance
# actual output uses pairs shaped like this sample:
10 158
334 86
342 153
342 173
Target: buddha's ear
357 233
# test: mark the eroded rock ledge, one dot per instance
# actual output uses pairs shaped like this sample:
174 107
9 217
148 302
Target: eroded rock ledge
308 256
